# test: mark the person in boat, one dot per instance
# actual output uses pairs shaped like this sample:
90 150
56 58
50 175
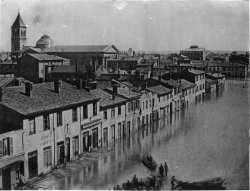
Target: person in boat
135 181
172 181
161 170
166 168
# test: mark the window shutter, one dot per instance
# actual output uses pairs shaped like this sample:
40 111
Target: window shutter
58 155
73 146
50 158
1 148
77 145
44 158
11 145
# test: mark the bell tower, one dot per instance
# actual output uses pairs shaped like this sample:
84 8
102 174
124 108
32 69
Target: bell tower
18 34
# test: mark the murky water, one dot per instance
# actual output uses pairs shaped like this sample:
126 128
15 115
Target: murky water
205 140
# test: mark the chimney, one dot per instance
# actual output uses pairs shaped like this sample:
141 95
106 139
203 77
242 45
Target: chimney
80 84
114 93
1 94
159 78
87 89
84 84
28 88
57 86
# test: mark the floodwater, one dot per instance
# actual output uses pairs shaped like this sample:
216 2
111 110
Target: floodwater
204 140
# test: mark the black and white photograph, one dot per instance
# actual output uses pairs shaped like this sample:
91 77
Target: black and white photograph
124 95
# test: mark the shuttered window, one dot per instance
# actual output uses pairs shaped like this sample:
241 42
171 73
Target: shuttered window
6 146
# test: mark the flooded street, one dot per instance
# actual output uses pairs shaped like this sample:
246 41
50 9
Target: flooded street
205 140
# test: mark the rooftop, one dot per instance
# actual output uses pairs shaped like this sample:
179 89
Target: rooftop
216 75
196 71
84 48
44 98
186 84
106 98
5 80
125 93
69 69
159 89
46 57
19 22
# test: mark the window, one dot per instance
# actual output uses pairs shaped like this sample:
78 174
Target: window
105 115
143 105
129 106
146 104
46 123
6 146
59 119
132 106
112 112
94 109
119 110
47 156
74 114
32 126
119 130
85 111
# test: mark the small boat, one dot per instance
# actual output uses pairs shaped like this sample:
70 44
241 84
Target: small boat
150 164
210 184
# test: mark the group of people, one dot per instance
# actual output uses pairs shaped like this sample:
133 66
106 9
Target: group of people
150 183
149 159
162 169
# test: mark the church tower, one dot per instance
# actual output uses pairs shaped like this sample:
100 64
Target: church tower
18 34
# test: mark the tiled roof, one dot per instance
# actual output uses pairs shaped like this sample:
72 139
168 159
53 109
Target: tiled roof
106 98
44 98
124 92
69 69
210 81
196 71
82 48
159 89
216 75
46 57
5 80
186 84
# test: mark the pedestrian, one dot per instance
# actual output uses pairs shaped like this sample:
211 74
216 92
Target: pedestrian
166 168
161 170
172 182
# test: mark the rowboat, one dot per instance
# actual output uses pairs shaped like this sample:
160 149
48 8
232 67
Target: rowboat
209 184
149 164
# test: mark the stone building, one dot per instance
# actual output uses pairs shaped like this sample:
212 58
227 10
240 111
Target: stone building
194 53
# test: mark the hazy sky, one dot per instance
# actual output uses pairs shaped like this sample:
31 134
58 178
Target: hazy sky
141 25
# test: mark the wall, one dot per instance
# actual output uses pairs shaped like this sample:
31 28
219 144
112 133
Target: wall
27 67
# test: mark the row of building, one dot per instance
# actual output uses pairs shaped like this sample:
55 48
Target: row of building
47 124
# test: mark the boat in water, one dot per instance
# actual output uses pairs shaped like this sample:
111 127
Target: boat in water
150 164
209 184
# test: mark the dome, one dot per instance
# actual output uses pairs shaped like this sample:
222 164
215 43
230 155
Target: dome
44 42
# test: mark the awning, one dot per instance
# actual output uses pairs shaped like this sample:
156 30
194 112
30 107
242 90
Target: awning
11 159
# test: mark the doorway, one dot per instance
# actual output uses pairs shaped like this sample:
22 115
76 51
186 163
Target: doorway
32 163
6 179
67 149
60 153
85 141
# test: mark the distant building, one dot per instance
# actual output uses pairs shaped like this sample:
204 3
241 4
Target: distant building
37 67
92 56
194 53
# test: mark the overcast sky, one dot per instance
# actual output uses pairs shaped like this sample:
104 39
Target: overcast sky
141 25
